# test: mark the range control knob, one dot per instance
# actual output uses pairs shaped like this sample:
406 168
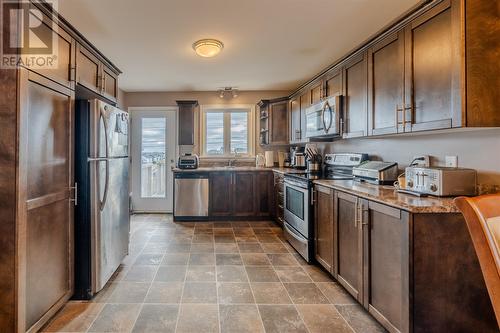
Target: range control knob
410 183
433 187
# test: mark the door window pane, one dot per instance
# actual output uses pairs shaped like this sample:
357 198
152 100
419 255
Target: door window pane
239 133
215 133
153 151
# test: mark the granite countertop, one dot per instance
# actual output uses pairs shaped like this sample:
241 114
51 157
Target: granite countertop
240 168
223 168
389 196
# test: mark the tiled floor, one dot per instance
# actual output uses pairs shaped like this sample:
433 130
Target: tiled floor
214 277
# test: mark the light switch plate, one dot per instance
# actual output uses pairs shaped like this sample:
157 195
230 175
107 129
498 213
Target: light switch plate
451 161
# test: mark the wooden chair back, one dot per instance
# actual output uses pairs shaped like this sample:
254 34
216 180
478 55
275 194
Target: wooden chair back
482 215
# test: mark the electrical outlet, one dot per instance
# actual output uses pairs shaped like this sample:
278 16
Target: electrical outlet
451 161
421 161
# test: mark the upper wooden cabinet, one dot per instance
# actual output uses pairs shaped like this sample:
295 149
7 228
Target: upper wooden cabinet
94 75
295 120
317 93
355 81
273 121
186 121
433 70
63 73
333 83
386 85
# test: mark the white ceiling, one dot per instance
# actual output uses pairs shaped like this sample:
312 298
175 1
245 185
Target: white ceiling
269 44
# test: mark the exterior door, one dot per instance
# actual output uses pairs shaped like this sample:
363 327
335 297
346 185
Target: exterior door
153 155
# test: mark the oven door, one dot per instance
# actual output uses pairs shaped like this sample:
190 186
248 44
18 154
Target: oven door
296 207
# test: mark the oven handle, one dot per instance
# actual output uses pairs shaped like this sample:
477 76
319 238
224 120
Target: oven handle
294 234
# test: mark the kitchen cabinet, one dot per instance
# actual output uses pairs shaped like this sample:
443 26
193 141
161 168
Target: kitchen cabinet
317 92
348 242
386 269
433 70
221 193
391 261
333 83
278 122
355 81
88 69
273 121
264 194
243 193
186 122
305 102
386 85
295 120
45 243
65 71
323 227
95 75
279 187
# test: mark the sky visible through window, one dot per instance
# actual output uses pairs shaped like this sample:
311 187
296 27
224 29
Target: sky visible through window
215 133
238 132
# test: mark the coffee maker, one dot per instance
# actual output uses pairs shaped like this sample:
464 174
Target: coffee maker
298 157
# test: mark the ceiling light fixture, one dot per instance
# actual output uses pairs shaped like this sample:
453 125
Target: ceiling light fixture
233 92
208 48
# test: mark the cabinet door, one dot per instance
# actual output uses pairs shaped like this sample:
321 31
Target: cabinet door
221 193
386 265
355 92
186 122
333 84
63 73
243 195
348 244
323 227
264 193
305 102
386 85
88 69
45 237
295 135
433 71
278 113
109 84
317 93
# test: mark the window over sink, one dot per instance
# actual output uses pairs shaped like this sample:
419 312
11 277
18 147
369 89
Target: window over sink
227 131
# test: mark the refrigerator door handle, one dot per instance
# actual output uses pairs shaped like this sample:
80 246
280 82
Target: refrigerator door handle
106 184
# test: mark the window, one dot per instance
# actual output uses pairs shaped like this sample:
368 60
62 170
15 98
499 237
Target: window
227 131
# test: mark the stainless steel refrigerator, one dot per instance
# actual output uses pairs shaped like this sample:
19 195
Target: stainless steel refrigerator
102 220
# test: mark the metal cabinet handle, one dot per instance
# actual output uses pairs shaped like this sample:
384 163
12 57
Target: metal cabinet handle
408 107
75 188
313 193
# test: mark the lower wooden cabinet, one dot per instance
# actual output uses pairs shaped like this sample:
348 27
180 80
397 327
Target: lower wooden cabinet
241 194
386 265
323 227
349 244
411 272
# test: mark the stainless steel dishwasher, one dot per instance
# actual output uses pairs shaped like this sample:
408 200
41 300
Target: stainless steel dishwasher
191 193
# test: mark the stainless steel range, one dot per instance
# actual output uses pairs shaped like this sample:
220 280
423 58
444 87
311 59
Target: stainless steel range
298 199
